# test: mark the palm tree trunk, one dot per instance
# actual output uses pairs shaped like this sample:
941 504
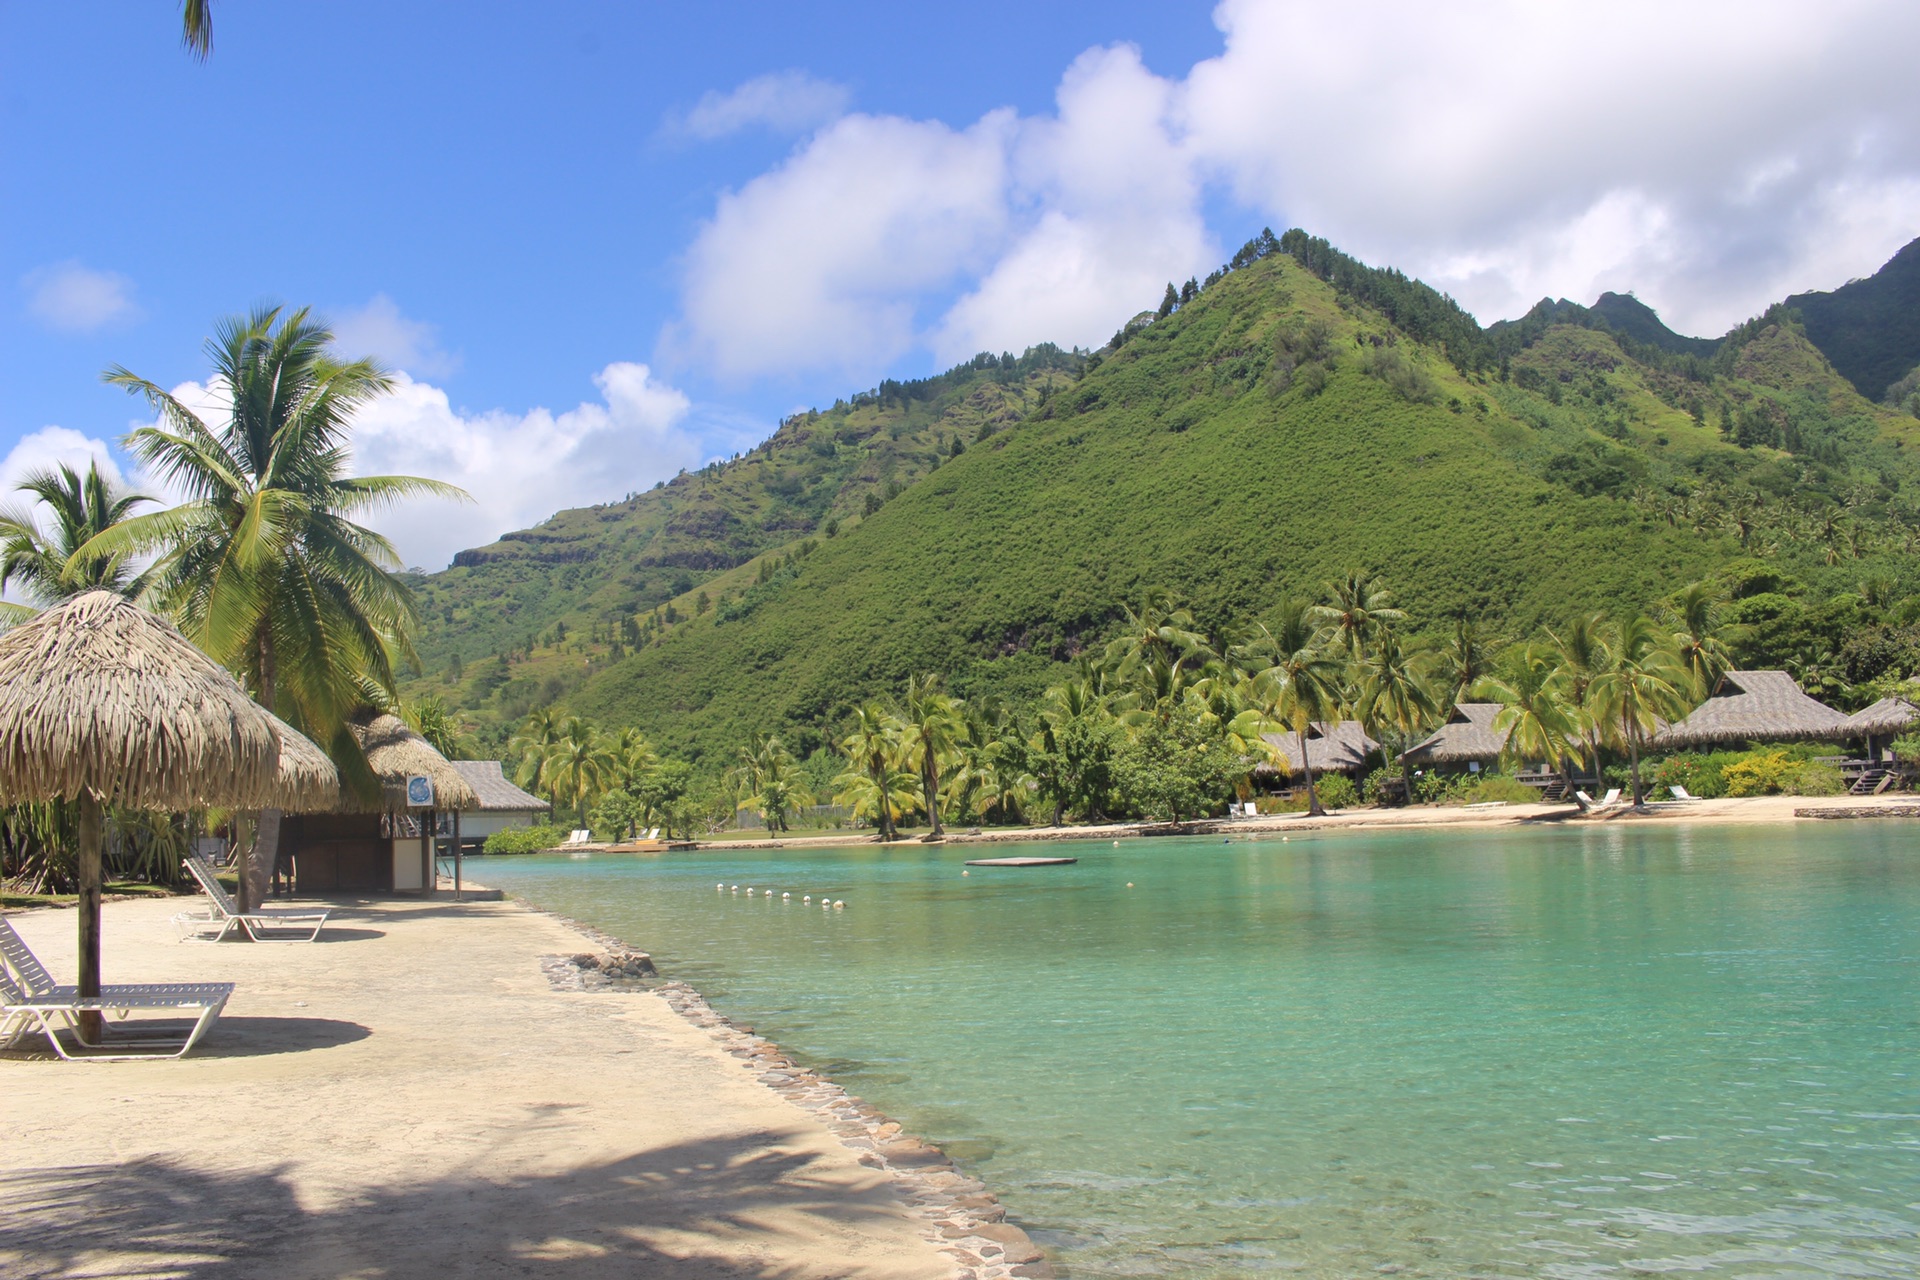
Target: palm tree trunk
886 804
1633 761
91 1026
256 866
930 783
1313 797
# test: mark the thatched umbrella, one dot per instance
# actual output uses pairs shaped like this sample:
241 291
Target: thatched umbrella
104 703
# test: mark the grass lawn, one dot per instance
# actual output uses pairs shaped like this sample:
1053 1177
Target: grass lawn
127 888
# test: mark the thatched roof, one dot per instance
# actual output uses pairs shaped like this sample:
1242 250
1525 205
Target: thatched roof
1884 718
1467 735
308 782
1756 706
1341 747
97 693
497 795
395 753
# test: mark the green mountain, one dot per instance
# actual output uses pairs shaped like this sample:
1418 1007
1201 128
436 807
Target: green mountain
1869 329
1303 414
1631 318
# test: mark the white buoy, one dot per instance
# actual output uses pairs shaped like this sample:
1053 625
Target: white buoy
785 896
825 905
1129 884
837 904
719 888
1116 844
1283 839
966 873
807 898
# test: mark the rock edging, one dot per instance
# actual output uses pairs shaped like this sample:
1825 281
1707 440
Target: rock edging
959 1215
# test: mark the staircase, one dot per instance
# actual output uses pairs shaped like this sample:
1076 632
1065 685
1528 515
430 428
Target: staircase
1555 790
1872 782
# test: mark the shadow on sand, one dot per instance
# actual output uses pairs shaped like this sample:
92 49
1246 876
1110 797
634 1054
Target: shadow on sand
230 1037
644 1215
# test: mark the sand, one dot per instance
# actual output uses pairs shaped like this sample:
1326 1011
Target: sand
1762 809
412 1096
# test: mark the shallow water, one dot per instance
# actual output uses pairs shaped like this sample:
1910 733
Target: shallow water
1564 1054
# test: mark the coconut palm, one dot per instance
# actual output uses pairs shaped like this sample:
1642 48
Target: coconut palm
1161 630
1296 677
1584 656
932 727
873 750
1356 607
1464 658
1534 715
263 565
1645 684
578 766
196 27
1699 640
534 744
883 797
430 717
1396 696
47 565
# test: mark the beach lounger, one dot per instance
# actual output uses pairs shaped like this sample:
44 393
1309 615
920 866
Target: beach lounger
1611 798
1679 792
264 925
30 998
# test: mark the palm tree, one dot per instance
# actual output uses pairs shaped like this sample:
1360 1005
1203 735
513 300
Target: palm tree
1645 684
1296 678
932 727
578 766
196 27
1699 640
1534 716
1356 606
885 796
873 751
49 566
1584 656
1464 658
1162 629
534 744
430 717
263 565
1396 692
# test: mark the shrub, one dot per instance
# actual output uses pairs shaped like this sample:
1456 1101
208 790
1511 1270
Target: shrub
1498 786
1336 791
1761 773
525 839
1818 780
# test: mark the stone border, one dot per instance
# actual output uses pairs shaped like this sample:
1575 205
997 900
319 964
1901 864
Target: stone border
958 1214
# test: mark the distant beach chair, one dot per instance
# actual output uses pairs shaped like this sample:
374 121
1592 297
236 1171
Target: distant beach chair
579 837
1679 792
1611 798
1588 802
653 833
30 998
264 925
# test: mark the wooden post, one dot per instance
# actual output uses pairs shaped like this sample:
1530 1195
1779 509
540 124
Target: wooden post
91 1024
426 853
456 855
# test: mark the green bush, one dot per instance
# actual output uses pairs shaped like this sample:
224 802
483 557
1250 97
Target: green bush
525 840
1336 791
1818 780
1498 786
1760 773
1781 769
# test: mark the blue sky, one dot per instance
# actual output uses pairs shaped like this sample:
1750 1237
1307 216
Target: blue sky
603 242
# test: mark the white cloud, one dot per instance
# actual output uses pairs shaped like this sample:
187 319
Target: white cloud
71 297
1712 157
783 102
48 448
519 467
379 330
822 262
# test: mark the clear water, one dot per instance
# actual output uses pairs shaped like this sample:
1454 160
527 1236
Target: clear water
1561 1054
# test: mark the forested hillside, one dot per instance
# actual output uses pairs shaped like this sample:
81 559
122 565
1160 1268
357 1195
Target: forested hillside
1298 415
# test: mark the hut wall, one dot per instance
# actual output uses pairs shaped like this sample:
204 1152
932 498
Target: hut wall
339 853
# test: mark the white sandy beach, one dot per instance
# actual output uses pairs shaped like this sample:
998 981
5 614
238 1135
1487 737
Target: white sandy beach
412 1096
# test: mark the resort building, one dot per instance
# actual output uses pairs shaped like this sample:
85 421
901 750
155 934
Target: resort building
1755 706
1466 743
379 843
502 805
1341 747
1881 723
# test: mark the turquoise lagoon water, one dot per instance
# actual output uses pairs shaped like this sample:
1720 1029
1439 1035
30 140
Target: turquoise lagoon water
1572 1053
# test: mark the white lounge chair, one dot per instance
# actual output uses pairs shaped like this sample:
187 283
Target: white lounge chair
1679 792
29 998
1588 802
264 925
1610 799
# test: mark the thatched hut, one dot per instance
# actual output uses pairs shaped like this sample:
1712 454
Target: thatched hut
1467 742
104 703
380 840
501 804
1754 706
1332 747
1882 722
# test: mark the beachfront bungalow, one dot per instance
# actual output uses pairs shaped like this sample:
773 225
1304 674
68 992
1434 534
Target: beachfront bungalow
379 843
1881 723
502 805
1754 706
1466 743
1341 747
